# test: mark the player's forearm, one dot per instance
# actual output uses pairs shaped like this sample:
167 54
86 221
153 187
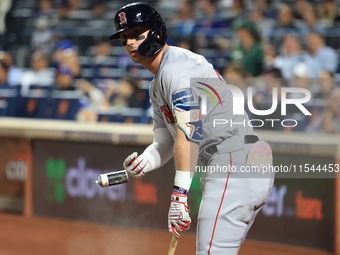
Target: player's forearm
161 150
186 152
186 155
160 153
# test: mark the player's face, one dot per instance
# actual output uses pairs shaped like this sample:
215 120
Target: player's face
131 39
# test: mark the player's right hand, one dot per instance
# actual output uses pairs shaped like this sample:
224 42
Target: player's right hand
137 166
178 219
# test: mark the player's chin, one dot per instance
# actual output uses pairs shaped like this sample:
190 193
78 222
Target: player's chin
135 58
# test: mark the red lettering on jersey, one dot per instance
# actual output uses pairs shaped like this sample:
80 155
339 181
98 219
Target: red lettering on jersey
167 114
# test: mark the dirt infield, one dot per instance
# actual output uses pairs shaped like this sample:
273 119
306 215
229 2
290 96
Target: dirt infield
40 236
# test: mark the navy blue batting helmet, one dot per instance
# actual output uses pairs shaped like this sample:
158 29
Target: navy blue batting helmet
141 14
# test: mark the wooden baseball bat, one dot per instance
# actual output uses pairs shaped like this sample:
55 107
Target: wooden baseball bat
173 245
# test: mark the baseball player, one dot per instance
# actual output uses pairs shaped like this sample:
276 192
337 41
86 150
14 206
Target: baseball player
184 84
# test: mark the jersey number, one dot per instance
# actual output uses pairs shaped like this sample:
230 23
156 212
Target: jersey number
167 114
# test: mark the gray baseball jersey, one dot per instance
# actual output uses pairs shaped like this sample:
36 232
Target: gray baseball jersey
188 84
186 78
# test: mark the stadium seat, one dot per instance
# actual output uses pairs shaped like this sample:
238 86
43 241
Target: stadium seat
3 108
33 105
9 101
133 115
63 105
126 115
110 116
40 87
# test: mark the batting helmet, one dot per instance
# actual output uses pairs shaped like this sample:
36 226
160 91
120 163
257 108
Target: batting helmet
141 14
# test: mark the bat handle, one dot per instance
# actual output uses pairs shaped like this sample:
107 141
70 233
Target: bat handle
173 245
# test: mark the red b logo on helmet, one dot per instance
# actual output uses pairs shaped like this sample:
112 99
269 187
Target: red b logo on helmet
122 18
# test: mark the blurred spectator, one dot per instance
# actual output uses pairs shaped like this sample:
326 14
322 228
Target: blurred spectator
102 53
331 122
99 9
293 55
66 64
301 79
86 114
211 17
63 12
40 75
235 74
74 4
269 56
99 18
59 47
285 18
184 21
328 120
302 75
285 26
65 56
92 100
47 12
126 94
4 68
64 79
236 13
264 6
42 37
70 60
311 23
102 61
95 98
222 43
271 77
326 56
64 17
327 85
263 24
14 73
298 9
327 12
249 51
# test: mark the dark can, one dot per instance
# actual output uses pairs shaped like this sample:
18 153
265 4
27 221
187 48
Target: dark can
114 178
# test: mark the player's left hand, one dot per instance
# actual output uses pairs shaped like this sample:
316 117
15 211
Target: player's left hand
178 218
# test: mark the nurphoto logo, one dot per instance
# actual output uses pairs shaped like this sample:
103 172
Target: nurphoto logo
239 105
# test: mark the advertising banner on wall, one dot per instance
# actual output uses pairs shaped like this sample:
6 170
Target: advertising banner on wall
63 185
13 167
298 211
